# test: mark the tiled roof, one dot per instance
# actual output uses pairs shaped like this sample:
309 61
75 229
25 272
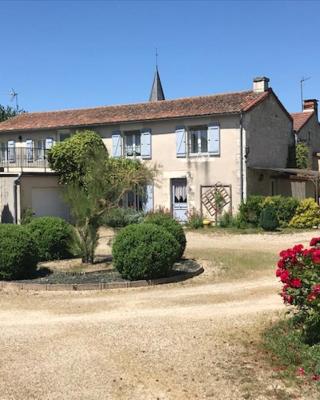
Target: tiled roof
300 119
185 107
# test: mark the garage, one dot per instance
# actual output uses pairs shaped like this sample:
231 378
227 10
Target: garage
49 201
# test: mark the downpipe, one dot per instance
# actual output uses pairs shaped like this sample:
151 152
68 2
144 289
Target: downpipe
16 182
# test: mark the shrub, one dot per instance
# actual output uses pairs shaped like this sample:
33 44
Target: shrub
144 251
302 155
195 220
172 226
249 211
54 237
27 216
121 217
298 270
18 252
307 215
268 218
285 207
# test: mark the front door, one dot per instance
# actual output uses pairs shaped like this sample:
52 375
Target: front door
179 199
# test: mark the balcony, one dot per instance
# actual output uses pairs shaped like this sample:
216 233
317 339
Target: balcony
23 158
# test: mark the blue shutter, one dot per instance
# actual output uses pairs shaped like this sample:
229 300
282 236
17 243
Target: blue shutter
116 144
181 145
148 205
146 143
214 139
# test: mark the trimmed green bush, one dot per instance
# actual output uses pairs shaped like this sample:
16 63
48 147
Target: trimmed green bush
18 252
172 226
268 218
54 237
285 207
249 211
307 215
121 217
144 251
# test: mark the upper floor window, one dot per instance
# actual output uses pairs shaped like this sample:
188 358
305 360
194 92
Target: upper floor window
64 134
198 140
11 151
132 144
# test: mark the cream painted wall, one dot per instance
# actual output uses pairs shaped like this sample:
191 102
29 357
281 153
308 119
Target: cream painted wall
199 170
7 198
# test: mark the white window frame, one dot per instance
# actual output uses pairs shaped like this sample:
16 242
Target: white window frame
199 130
3 152
30 154
134 133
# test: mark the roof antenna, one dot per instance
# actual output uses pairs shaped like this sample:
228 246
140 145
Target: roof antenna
302 80
14 96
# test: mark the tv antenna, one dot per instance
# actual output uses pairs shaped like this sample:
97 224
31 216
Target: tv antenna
14 97
302 80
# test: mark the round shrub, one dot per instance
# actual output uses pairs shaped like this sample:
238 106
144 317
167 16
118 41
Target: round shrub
18 252
172 226
268 218
54 237
307 215
144 251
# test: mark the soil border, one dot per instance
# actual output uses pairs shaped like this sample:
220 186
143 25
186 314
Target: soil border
99 285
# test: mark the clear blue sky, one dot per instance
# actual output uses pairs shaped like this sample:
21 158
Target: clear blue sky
70 54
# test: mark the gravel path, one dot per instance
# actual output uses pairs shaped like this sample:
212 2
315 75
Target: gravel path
190 340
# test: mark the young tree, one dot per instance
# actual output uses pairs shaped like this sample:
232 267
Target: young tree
94 182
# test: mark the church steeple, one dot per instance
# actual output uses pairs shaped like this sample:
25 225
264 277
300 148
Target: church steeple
156 90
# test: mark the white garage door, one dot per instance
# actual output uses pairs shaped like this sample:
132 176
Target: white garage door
49 202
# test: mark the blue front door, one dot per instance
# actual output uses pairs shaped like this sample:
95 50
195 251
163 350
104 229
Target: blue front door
179 199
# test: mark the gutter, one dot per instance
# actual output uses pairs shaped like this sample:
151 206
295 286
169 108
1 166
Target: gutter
16 182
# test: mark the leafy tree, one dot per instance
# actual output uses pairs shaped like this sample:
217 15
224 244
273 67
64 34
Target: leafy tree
95 183
302 155
7 112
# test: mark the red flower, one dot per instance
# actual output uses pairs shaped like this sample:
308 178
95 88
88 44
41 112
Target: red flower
298 248
296 283
301 371
281 263
311 297
314 241
316 377
284 276
316 256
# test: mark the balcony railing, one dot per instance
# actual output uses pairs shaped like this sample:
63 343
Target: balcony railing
22 157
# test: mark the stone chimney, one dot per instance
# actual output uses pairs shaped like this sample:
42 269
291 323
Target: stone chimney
261 84
310 105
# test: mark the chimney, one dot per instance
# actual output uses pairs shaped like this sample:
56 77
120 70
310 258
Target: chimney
261 84
310 105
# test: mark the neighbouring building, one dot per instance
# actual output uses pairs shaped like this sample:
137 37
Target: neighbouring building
211 151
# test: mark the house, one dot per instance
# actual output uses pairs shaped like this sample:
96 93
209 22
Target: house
212 151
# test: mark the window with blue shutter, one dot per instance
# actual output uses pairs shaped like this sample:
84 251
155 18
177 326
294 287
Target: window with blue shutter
181 144
146 143
214 140
116 144
148 204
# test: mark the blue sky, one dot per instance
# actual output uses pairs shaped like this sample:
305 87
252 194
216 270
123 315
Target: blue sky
70 54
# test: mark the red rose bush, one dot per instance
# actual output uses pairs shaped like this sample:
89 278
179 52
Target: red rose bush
299 270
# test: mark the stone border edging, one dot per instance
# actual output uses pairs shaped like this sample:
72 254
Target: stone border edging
99 285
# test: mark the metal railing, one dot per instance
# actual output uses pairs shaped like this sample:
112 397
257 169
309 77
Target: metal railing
23 157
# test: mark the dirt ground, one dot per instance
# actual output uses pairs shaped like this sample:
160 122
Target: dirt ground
191 340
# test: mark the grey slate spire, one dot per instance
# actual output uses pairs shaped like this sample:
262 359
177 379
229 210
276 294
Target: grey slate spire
156 91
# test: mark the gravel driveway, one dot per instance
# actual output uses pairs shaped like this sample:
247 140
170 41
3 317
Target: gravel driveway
192 340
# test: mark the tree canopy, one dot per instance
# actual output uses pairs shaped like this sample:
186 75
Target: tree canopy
7 112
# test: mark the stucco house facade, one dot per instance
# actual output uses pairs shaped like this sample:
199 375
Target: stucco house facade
224 146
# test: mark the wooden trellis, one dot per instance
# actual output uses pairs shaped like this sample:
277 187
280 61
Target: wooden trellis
209 196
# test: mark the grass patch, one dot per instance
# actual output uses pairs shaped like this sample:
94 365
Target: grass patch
288 353
236 264
248 231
